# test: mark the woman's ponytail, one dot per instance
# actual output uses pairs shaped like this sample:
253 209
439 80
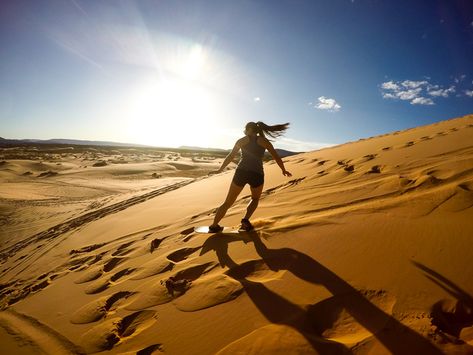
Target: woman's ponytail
272 131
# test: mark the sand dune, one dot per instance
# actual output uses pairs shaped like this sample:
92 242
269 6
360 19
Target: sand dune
365 250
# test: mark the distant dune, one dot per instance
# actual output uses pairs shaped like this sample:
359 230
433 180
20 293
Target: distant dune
366 249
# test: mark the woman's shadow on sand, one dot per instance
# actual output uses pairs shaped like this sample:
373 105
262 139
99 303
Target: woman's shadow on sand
396 337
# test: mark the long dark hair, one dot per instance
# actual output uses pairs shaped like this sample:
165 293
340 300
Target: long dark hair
262 128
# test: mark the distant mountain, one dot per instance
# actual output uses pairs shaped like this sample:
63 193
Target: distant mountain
67 141
8 142
186 147
285 153
61 141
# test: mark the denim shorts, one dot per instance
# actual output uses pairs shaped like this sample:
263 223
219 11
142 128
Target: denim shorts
243 177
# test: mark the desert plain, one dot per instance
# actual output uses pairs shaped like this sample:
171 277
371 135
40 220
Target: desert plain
366 249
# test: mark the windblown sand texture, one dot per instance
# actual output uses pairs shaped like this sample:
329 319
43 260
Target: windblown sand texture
366 249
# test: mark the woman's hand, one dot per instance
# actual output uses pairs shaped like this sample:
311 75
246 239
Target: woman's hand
286 173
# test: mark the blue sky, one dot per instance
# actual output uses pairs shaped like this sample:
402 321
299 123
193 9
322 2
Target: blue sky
172 73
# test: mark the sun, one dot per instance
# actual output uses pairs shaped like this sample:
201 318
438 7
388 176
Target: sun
178 108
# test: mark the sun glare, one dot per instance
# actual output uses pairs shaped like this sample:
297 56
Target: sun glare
177 109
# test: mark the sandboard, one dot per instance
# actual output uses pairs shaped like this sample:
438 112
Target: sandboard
205 229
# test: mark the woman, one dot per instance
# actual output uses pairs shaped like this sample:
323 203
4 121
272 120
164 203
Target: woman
250 169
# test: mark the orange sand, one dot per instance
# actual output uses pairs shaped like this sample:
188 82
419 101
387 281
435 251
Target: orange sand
365 250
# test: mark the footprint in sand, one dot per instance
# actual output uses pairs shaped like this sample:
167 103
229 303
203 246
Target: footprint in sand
375 169
254 270
86 249
290 183
123 249
90 275
149 295
155 243
102 284
151 349
111 331
39 286
97 287
182 254
189 230
349 168
112 263
455 318
332 320
156 293
207 292
78 262
121 273
369 157
409 144
99 308
387 148
195 271
153 267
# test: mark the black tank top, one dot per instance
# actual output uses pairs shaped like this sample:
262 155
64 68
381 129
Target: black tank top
252 156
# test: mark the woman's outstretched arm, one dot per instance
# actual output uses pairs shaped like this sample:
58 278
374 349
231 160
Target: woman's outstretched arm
267 144
229 158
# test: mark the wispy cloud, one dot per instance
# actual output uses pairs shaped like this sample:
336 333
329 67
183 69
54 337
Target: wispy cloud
459 79
257 99
422 101
434 91
469 93
328 104
416 92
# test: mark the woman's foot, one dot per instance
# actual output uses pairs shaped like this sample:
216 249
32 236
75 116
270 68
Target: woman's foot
246 225
215 228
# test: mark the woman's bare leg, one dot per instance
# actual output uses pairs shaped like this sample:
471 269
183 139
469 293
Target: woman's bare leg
255 196
232 195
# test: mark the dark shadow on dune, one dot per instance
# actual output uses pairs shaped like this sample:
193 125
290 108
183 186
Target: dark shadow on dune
450 317
395 336
446 284
275 308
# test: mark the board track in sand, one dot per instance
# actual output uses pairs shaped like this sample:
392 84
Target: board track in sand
77 222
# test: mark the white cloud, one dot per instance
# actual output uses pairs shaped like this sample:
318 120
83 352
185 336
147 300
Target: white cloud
422 101
389 96
390 85
469 93
416 91
408 95
256 99
325 103
413 84
441 92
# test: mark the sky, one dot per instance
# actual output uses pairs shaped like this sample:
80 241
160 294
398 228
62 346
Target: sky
193 73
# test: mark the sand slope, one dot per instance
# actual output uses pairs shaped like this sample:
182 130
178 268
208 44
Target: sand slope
365 250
